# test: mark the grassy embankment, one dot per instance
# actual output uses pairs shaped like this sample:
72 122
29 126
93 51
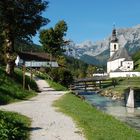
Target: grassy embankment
11 88
14 126
54 85
122 85
95 124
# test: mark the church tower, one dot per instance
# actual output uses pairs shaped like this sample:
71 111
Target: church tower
114 45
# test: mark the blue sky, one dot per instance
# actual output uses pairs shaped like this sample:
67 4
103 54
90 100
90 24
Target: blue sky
92 19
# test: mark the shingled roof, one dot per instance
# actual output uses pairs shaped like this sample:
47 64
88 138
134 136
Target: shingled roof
29 56
121 53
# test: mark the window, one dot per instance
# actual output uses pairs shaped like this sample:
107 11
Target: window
114 46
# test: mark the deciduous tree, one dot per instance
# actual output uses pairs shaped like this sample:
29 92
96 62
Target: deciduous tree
53 40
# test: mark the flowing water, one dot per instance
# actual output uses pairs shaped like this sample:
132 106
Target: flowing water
130 116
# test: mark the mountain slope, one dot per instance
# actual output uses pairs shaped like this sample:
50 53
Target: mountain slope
98 52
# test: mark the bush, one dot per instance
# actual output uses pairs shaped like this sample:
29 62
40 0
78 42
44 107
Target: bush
62 76
13 126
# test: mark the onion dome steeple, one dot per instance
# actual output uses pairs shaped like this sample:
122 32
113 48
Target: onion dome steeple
114 35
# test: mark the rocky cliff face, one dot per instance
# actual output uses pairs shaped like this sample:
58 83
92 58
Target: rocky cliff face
99 51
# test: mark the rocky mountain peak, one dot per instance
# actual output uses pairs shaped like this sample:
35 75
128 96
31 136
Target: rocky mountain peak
128 37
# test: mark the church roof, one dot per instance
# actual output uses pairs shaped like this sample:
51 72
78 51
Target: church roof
121 53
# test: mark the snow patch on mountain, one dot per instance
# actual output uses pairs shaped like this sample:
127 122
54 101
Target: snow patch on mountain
128 37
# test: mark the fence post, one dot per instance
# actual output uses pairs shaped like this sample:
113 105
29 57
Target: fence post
24 70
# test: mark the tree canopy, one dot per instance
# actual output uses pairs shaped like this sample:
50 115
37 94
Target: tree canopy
52 39
19 19
22 18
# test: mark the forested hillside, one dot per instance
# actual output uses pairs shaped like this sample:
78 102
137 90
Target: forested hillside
77 67
27 46
136 58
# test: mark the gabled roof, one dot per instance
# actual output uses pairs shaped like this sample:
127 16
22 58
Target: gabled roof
29 56
121 53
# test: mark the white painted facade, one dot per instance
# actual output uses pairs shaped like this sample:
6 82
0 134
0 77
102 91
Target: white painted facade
113 65
127 66
120 64
113 48
100 74
41 64
20 62
119 60
124 74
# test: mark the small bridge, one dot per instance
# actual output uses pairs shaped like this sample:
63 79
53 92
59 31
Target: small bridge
96 83
89 84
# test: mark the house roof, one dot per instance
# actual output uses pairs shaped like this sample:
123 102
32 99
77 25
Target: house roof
121 53
29 56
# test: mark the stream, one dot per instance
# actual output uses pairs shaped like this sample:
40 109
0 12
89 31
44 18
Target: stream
131 116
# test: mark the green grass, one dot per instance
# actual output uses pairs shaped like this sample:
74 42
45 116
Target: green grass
14 126
11 88
56 86
95 124
123 84
18 77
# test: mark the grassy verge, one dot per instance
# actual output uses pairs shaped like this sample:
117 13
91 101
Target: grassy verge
11 88
95 124
122 86
124 83
54 85
13 126
18 77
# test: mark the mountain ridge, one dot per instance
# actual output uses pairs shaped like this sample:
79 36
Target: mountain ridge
128 38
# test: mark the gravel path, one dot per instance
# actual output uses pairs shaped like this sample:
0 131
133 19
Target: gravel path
47 123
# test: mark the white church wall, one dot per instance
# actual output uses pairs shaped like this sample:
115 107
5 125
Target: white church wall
124 74
108 67
127 65
113 48
113 65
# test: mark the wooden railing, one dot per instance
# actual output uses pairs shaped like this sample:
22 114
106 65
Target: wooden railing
85 84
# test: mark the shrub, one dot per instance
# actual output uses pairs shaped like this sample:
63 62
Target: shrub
62 76
13 126
66 77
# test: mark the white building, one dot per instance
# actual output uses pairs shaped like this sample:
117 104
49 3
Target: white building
120 64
